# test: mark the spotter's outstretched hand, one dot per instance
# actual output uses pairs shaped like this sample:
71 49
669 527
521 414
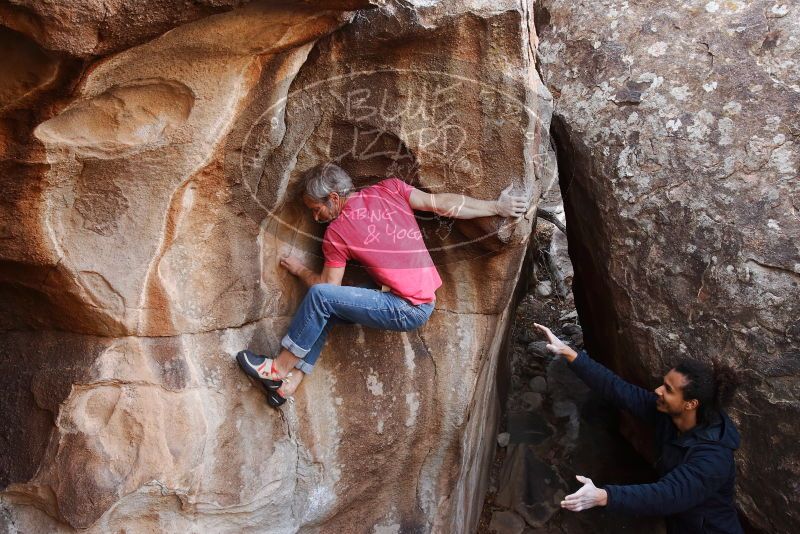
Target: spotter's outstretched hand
555 345
587 497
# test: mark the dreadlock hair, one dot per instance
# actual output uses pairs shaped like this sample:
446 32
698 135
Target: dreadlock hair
713 385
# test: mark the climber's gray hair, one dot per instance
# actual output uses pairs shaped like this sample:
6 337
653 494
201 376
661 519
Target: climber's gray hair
326 178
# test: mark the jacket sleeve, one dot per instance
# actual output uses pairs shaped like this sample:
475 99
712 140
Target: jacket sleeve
683 488
638 401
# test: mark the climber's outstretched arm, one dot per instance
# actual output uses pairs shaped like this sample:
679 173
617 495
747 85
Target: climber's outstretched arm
464 207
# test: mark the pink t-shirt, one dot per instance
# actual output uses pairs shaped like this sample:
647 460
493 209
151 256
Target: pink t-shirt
378 229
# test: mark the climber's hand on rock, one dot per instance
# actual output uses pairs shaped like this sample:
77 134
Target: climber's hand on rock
292 264
509 205
555 345
587 497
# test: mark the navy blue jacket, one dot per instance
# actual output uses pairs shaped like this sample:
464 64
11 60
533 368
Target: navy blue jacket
696 488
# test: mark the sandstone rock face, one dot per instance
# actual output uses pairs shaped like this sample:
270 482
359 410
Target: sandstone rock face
149 194
677 128
98 27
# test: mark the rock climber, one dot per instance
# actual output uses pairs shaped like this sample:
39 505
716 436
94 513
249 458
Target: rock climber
376 227
695 441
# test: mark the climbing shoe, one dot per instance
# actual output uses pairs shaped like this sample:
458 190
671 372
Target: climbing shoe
259 368
275 399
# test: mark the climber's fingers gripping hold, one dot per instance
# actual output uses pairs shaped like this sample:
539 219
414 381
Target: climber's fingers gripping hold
510 205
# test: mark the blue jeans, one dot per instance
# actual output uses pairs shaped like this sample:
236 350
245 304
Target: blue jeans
326 305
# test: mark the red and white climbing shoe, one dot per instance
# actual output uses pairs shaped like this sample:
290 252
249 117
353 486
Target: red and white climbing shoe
261 368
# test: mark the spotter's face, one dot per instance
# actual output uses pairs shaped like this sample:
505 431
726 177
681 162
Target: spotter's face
670 394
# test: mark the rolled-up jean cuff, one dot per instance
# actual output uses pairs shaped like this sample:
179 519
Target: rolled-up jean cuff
293 347
304 367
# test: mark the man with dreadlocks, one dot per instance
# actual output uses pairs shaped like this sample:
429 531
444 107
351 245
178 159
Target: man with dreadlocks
695 440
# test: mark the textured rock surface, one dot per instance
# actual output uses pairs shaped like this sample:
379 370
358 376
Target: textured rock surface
98 27
148 194
678 126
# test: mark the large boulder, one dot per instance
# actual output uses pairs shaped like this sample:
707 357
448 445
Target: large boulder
677 130
149 194
87 28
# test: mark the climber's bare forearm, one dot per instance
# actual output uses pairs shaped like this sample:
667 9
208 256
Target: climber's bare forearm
309 277
465 207
329 275
462 206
